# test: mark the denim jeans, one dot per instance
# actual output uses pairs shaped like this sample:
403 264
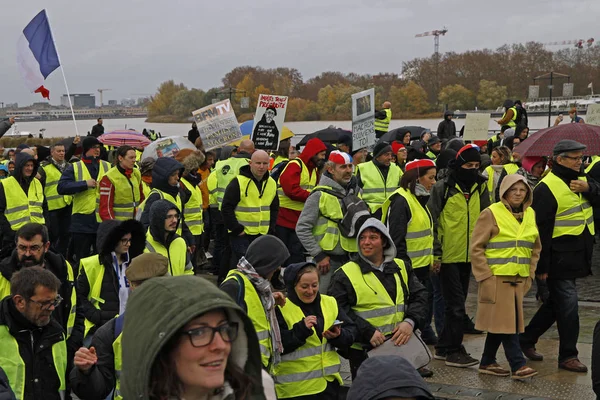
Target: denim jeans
455 286
561 308
512 350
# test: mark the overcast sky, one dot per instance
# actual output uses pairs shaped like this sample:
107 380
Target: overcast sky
131 46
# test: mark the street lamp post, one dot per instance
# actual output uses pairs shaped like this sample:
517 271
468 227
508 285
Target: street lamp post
551 76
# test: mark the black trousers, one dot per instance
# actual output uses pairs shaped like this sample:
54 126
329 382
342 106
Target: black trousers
58 229
290 238
84 245
454 279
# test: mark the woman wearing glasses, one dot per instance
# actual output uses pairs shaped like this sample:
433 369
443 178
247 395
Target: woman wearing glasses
185 339
312 327
102 286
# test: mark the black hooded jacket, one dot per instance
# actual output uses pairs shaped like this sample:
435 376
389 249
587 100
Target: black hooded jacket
109 234
8 235
446 129
35 348
56 264
232 198
163 168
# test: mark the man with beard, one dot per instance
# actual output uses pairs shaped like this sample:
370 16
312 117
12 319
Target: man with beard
266 133
33 349
33 249
455 204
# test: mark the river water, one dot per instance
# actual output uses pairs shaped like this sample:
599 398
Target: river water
67 128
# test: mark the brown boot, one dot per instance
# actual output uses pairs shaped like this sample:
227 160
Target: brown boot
573 365
533 355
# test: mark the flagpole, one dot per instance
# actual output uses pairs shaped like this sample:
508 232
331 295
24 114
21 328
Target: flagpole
64 77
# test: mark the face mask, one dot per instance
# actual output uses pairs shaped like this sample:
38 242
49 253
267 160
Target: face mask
468 176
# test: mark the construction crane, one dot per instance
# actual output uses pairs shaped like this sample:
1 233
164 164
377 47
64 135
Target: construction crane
101 91
578 44
436 53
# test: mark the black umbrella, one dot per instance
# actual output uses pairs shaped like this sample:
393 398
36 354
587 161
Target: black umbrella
327 135
396 134
67 142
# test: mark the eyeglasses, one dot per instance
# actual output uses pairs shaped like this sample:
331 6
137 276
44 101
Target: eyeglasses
173 216
45 305
34 248
574 158
204 336
125 241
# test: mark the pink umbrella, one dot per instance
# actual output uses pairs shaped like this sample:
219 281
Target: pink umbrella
120 138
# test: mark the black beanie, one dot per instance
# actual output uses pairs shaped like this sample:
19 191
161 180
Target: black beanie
88 143
266 254
467 154
381 148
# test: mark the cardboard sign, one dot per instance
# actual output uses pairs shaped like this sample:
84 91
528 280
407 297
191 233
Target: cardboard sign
363 119
268 121
593 114
477 126
217 124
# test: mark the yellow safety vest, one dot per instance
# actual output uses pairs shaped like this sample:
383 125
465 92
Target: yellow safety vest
512 122
384 124
211 185
509 252
23 208
373 303
277 160
176 254
5 291
127 194
574 211
94 271
509 168
55 201
165 196
375 188
595 159
225 171
147 189
419 232
308 369
14 366
307 182
193 209
117 351
456 223
85 202
257 314
431 155
254 208
326 231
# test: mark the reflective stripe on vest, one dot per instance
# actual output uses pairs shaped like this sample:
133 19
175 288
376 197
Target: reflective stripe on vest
127 194
55 201
225 171
574 211
373 303
375 190
509 169
257 314
254 208
384 124
307 182
15 369
85 202
176 254
192 211
509 252
23 208
326 230
73 311
307 370
419 233
117 351
94 272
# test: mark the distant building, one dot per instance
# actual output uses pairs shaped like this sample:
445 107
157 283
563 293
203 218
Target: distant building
79 100
113 103
41 104
142 101
128 102
12 106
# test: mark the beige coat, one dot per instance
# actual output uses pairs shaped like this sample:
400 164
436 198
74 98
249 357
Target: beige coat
500 303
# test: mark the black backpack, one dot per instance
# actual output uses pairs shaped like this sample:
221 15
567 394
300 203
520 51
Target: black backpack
355 212
278 169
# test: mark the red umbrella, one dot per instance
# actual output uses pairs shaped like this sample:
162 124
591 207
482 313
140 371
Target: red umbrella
542 142
120 138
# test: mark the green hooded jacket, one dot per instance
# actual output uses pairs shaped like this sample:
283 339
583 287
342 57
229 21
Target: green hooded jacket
159 309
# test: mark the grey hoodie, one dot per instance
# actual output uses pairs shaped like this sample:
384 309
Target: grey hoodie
389 253
310 216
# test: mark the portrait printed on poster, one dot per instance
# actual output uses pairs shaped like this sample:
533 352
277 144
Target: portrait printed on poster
268 121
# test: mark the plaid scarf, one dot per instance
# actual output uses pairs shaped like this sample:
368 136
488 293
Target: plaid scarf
263 287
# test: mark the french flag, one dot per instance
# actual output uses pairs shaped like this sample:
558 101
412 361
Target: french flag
36 55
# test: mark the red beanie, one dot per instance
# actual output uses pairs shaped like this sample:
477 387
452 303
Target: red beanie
423 164
397 146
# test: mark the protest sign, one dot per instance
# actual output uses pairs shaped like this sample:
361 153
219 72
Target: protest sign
363 119
593 114
217 124
477 126
268 121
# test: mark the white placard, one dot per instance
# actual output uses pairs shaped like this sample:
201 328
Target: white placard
217 124
477 126
363 119
268 121
593 114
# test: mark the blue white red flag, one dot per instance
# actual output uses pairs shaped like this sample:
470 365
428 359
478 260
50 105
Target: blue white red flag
36 55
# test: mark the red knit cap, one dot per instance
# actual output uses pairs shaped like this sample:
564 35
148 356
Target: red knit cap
423 164
397 146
